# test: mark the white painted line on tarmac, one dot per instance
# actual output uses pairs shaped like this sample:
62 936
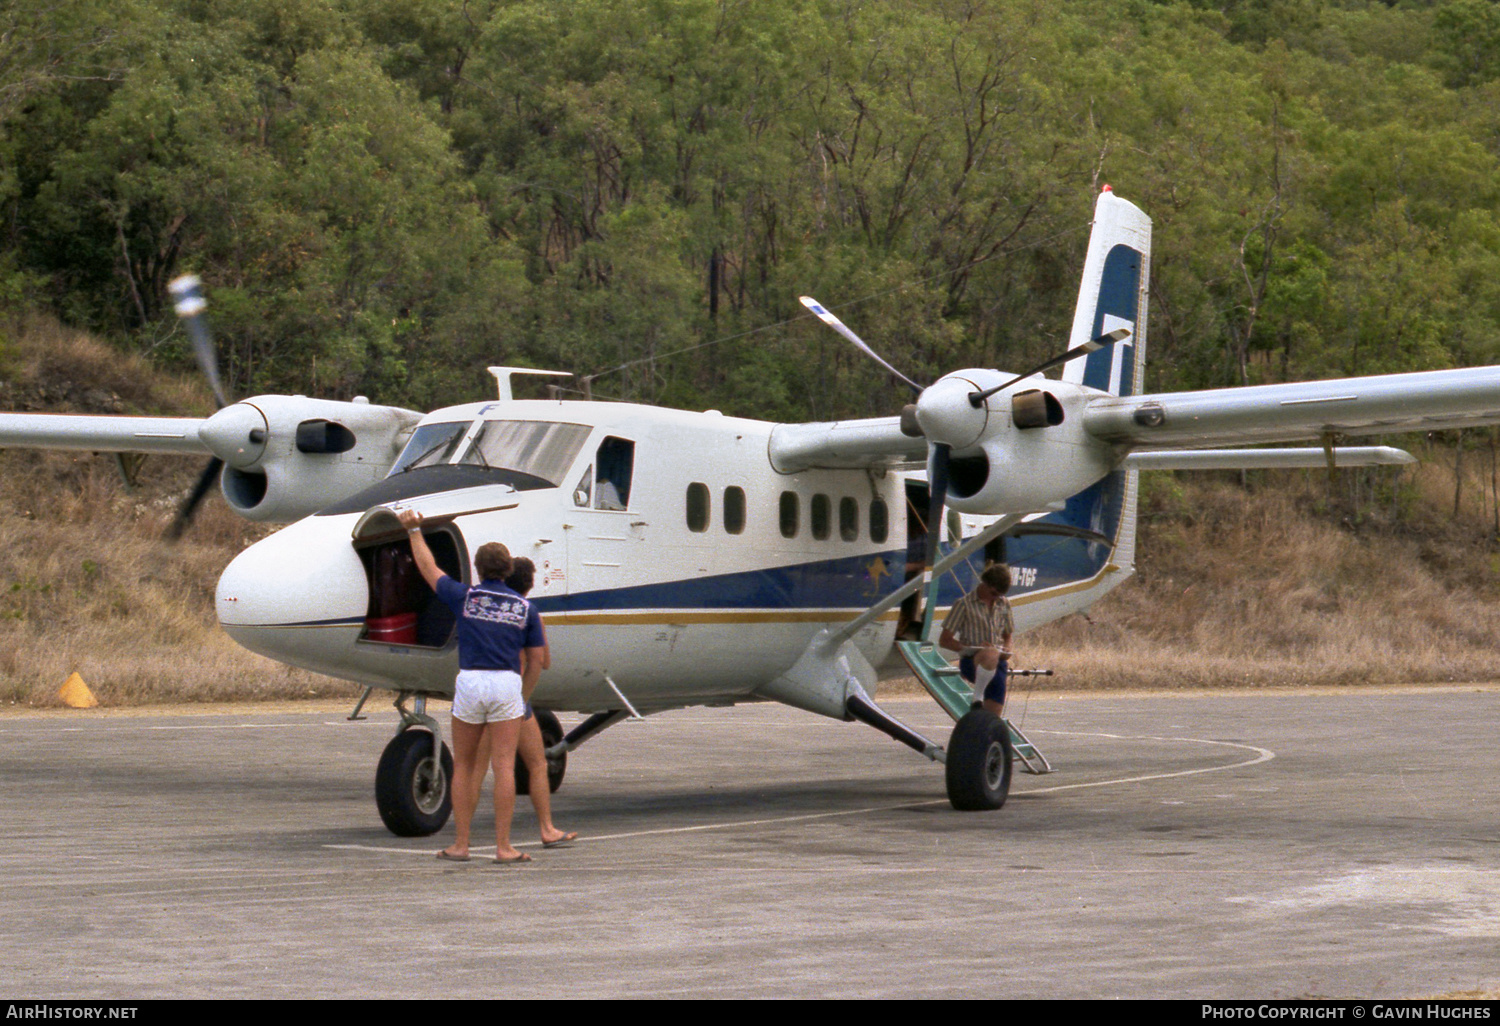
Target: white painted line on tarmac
1261 755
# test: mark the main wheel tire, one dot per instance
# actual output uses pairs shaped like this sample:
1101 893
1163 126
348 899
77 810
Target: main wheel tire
413 800
552 733
979 762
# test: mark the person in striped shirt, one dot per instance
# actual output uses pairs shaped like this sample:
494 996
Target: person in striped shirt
978 629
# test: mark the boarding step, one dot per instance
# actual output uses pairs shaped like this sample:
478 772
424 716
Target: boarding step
1032 760
938 676
943 682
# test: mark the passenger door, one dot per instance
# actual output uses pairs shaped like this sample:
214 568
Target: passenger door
604 534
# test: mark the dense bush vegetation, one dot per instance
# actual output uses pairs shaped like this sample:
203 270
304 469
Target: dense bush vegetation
384 197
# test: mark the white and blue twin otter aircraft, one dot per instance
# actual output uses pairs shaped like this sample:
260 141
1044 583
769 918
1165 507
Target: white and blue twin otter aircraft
697 559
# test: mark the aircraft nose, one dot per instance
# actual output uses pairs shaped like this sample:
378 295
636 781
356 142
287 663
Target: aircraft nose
305 575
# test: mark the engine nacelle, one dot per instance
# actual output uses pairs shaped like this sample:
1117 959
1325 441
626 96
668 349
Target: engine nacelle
288 456
1021 450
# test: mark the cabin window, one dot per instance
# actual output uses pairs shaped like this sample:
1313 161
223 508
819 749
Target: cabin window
697 507
820 516
616 461
880 526
734 510
789 514
849 519
585 488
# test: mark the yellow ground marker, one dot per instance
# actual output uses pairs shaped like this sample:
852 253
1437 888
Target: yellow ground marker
76 693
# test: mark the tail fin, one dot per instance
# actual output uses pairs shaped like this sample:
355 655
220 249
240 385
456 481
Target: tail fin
1116 279
1116 275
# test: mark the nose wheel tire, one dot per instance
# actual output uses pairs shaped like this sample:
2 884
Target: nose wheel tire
411 791
979 762
552 733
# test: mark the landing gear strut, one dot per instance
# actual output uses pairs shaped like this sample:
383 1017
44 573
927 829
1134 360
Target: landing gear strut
412 780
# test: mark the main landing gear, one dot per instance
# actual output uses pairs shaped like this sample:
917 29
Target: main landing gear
979 762
983 750
412 780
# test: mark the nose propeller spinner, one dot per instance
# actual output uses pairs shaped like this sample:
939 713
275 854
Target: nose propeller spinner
951 414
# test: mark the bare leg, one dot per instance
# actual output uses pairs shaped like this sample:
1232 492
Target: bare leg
482 759
534 755
988 660
505 734
467 776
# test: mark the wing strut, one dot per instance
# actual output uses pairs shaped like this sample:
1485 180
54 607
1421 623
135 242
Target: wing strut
900 595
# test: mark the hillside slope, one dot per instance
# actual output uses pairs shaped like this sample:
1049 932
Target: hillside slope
86 583
1289 581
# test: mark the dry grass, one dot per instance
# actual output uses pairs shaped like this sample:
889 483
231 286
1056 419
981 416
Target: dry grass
1269 588
86 583
48 367
1277 585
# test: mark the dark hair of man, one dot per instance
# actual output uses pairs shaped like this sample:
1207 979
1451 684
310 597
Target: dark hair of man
997 576
492 561
522 575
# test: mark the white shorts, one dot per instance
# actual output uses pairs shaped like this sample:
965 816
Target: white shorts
487 696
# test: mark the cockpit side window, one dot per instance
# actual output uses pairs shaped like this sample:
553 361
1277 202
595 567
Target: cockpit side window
616 462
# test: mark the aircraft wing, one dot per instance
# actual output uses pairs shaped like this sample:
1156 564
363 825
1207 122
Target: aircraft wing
845 445
1307 458
1389 403
104 433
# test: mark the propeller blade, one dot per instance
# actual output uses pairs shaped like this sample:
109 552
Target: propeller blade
1109 338
823 314
937 497
190 505
187 299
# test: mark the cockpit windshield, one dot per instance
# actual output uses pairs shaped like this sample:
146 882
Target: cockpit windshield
538 448
518 455
544 449
430 446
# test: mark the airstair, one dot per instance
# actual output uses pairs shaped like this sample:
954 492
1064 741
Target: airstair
955 695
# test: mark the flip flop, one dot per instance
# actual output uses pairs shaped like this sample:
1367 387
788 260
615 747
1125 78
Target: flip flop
565 839
523 857
444 856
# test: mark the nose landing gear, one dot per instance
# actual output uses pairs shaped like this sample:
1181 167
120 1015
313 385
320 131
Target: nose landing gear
411 784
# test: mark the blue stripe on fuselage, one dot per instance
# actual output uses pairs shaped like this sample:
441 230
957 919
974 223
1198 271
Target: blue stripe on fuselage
858 582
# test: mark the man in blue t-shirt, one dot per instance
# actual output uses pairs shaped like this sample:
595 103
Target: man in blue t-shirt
500 646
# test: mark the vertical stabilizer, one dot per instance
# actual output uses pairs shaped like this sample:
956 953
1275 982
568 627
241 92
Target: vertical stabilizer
1113 294
1116 275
